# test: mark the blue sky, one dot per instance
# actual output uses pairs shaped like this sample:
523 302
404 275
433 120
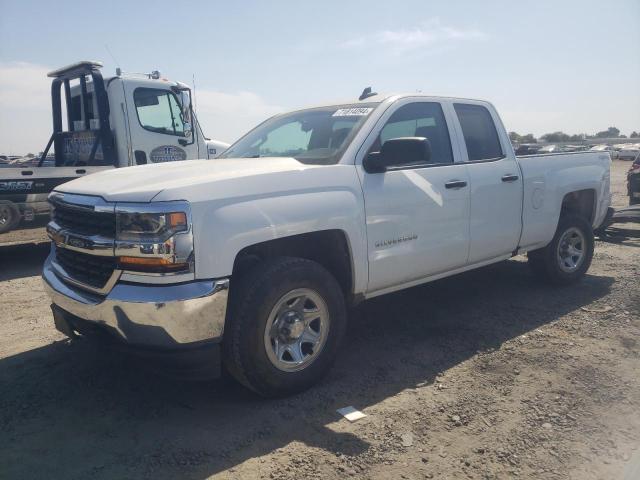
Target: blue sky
546 65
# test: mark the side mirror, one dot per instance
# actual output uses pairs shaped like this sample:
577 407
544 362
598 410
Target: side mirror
397 152
187 129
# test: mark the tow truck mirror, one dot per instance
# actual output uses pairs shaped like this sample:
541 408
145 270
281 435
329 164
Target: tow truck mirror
187 129
397 152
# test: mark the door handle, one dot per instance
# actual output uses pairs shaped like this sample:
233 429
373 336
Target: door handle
27 172
82 171
455 184
510 177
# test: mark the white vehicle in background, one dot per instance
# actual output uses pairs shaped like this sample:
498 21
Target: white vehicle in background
98 124
629 152
605 148
550 149
252 262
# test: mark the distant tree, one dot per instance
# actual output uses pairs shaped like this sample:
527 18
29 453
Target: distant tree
528 138
555 137
611 132
634 134
577 138
30 155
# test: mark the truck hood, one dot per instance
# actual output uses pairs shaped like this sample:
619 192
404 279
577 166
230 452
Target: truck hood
180 180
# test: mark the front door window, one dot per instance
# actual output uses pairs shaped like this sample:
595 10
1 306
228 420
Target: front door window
159 111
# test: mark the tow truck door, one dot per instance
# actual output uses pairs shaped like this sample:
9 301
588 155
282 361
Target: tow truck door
160 128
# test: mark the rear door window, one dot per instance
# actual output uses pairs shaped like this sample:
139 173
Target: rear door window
480 134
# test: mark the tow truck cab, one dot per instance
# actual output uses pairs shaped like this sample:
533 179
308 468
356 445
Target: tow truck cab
129 119
101 123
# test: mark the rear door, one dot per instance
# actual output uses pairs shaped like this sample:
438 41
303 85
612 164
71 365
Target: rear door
417 216
496 183
157 125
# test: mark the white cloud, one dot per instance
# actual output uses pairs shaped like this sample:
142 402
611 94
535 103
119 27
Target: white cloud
429 34
25 109
24 85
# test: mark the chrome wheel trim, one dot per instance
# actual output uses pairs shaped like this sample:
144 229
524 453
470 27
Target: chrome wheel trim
296 330
571 250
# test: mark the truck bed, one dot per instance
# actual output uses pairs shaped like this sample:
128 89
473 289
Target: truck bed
548 178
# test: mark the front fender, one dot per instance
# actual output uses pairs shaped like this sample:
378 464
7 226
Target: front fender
223 229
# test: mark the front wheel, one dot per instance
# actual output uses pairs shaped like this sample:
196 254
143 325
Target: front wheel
568 257
9 216
286 322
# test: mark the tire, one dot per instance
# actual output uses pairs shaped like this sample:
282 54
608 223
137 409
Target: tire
256 348
9 216
555 263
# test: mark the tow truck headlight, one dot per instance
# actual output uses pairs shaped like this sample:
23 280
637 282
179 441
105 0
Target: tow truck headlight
154 238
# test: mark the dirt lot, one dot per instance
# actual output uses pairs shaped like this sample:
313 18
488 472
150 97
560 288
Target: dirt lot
33 232
485 375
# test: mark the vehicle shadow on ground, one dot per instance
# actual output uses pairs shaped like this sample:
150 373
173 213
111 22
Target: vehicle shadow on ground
71 411
19 261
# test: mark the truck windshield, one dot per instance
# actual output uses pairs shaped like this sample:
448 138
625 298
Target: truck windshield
315 136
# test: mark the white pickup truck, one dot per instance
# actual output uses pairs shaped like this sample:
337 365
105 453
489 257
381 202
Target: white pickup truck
251 261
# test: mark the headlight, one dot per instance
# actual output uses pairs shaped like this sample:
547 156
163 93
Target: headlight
154 238
149 227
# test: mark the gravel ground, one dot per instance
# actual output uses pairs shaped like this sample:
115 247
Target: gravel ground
485 375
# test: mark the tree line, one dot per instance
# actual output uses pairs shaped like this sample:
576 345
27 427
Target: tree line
611 132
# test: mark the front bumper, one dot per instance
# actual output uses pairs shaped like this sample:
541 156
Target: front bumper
178 316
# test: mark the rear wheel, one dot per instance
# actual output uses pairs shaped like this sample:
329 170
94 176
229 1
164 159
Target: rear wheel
286 322
567 258
9 216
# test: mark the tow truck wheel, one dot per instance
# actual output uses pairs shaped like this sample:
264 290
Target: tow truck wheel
9 216
568 257
286 321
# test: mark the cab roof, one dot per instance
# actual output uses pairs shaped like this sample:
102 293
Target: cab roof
381 97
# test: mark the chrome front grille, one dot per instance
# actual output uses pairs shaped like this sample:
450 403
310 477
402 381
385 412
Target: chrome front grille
91 270
83 230
84 220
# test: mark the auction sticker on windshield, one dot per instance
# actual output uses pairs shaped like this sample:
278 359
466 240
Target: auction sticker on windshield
352 112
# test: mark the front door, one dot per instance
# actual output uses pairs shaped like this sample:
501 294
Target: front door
157 126
418 215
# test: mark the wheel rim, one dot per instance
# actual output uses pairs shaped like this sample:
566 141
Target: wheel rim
296 330
571 250
5 216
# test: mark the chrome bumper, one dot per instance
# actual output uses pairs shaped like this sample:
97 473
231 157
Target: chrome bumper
167 316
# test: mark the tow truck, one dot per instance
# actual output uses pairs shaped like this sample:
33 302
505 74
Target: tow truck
101 123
